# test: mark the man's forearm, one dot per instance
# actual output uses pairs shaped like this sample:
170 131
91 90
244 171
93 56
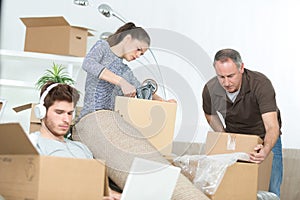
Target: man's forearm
272 130
215 123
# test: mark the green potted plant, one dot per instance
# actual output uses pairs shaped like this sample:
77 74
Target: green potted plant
56 74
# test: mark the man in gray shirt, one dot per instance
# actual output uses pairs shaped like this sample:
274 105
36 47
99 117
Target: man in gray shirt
55 110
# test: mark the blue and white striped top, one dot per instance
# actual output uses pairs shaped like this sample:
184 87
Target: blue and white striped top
100 94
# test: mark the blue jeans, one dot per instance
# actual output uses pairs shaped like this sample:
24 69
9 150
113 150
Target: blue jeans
277 168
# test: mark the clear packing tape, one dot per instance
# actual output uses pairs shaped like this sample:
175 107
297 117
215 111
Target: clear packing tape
206 172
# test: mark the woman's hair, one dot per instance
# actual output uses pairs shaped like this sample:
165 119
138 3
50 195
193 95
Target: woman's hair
61 92
225 54
128 29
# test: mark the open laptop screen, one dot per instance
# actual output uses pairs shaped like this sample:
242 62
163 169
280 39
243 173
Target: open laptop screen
150 180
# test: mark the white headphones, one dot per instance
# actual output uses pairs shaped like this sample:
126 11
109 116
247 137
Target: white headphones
40 110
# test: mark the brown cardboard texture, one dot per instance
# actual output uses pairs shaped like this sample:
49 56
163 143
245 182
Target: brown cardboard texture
220 143
25 174
154 119
35 123
242 180
55 35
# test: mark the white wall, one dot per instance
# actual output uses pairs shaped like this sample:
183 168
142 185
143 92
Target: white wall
265 32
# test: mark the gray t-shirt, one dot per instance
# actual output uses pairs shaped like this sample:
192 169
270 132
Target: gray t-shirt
100 94
69 148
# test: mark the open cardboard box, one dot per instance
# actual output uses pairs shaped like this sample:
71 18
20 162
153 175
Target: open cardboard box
242 180
55 35
154 119
25 174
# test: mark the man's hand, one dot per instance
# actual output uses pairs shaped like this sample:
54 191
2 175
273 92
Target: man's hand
259 154
272 134
215 122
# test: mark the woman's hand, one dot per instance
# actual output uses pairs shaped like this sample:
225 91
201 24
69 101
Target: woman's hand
127 89
171 101
158 98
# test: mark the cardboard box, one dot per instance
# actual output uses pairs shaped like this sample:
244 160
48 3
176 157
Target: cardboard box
220 143
154 119
25 174
55 35
242 180
35 123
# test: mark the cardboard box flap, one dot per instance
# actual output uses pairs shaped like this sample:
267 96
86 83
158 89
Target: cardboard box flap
33 118
23 107
14 141
44 21
89 33
80 178
50 21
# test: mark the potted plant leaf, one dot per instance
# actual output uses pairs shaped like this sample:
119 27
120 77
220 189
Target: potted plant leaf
57 74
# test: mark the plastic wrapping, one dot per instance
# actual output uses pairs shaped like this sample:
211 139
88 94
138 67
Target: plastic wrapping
263 195
206 172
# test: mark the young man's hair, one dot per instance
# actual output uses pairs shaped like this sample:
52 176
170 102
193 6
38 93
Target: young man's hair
61 92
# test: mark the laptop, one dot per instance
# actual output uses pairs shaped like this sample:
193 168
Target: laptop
148 180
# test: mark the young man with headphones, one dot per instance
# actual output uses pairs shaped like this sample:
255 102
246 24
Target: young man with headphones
55 109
